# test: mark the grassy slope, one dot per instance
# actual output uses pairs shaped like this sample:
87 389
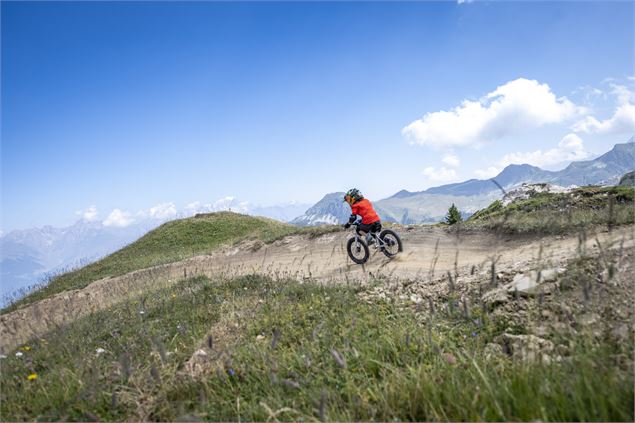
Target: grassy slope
396 365
558 213
170 242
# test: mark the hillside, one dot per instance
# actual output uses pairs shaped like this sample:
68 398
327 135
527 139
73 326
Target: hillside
173 241
469 323
31 256
536 209
479 326
628 179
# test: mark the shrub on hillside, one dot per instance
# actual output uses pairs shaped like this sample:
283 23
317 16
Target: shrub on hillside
453 216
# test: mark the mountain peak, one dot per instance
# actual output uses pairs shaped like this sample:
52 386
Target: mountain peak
515 174
402 194
331 209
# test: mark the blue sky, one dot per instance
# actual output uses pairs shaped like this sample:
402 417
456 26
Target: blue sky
122 105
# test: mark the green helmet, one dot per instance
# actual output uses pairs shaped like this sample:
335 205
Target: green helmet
354 195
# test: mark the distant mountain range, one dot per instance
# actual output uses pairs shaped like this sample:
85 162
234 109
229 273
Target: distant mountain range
432 204
28 256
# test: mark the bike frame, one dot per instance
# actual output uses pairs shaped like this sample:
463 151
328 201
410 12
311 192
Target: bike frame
379 243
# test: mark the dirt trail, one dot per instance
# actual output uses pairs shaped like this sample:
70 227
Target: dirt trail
429 252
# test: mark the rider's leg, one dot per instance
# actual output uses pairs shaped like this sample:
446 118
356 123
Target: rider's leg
366 229
375 228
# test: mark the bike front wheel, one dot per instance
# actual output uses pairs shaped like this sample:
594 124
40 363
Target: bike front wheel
357 250
391 243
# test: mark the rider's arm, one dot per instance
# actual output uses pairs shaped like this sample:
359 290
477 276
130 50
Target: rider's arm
353 219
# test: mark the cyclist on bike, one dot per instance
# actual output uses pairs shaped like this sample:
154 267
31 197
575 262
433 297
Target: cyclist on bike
362 209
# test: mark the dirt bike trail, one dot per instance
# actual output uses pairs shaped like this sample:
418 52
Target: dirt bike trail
429 253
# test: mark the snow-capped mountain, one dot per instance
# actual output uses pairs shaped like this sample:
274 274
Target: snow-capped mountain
330 210
284 212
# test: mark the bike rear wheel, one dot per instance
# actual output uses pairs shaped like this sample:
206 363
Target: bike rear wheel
357 250
392 243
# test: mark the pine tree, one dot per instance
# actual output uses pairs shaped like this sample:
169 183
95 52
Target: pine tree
453 215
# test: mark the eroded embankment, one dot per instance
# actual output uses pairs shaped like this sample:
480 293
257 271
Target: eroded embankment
429 252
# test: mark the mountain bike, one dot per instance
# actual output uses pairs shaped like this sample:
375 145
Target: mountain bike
386 241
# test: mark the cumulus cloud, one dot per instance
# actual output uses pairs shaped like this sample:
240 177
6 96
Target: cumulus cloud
162 211
439 175
621 122
451 160
118 218
511 108
89 215
570 148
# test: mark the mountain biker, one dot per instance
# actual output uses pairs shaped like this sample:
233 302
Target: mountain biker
362 209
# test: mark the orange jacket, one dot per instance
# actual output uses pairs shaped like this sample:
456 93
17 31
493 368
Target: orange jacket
366 211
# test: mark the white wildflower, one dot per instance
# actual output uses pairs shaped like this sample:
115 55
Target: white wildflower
19 354
100 351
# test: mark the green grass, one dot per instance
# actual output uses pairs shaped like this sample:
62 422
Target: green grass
173 241
554 213
397 365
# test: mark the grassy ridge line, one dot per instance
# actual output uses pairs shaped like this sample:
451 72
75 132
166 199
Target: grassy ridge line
171 242
556 213
311 352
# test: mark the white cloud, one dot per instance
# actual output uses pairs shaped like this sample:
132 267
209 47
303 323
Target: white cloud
623 119
622 93
514 107
193 208
589 94
439 175
622 122
451 160
222 204
162 211
90 214
118 218
569 148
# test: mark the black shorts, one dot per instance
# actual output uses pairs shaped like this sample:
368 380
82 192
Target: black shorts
373 227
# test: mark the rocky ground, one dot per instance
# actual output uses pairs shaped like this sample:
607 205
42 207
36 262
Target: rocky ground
541 304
